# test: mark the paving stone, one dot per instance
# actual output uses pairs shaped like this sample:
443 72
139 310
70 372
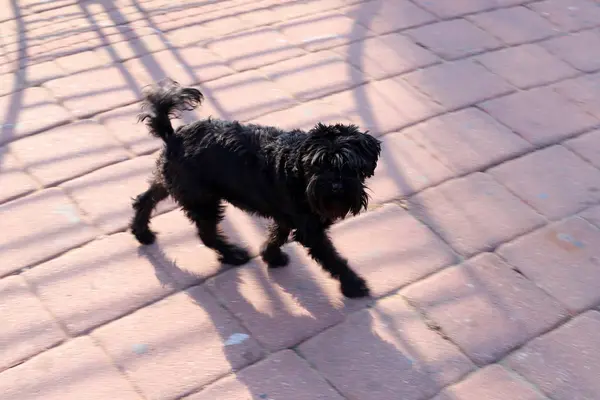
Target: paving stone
569 14
300 76
230 95
467 140
196 343
563 363
454 39
491 383
35 74
68 151
527 65
286 10
580 49
458 84
76 370
89 92
400 54
283 375
404 168
29 111
83 61
10 82
554 181
474 213
253 49
584 91
540 115
106 195
56 228
455 9
587 146
323 31
28 329
514 25
125 48
485 307
592 215
99 282
14 182
405 359
382 16
562 259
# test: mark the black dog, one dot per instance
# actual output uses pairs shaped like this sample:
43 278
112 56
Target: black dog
302 181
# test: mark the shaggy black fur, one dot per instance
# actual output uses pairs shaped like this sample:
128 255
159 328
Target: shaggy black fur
302 181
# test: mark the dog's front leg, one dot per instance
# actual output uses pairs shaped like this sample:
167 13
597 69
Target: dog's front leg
271 252
321 248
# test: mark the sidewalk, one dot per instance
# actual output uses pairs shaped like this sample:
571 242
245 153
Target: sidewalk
481 246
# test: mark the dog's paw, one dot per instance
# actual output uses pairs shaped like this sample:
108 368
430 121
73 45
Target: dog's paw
354 287
235 256
276 259
145 236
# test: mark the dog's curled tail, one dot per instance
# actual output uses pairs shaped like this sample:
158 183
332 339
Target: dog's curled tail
166 101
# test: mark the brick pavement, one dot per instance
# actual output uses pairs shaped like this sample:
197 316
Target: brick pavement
481 246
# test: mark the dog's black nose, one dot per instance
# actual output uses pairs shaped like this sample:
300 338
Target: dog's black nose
336 187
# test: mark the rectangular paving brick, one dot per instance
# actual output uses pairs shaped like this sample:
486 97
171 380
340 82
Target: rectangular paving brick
569 14
580 49
195 343
68 151
101 281
584 91
587 146
474 213
565 261
540 115
28 328
458 84
106 195
29 111
41 225
455 9
467 140
83 61
485 307
592 215
554 181
76 370
403 358
124 48
314 75
283 375
491 383
400 54
527 65
454 39
14 182
382 16
563 363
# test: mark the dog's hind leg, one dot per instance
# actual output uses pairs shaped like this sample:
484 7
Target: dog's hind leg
271 250
143 206
206 215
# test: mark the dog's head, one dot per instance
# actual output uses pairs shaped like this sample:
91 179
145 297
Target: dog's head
336 160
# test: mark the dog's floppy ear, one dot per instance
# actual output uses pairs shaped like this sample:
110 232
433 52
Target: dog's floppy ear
370 150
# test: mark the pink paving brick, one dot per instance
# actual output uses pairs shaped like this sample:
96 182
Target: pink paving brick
474 213
540 115
41 225
10 82
126 48
78 369
314 75
400 54
467 140
454 39
554 181
485 307
584 91
382 16
564 363
592 215
401 357
404 169
323 31
94 91
455 9
230 95
491 383
14 182
569 14
84 61
99 282
283 375
581 49
253 49
29 111
565 261
458 84
28 328
68 151
515 25
195 343
36 74
106 195
586 146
